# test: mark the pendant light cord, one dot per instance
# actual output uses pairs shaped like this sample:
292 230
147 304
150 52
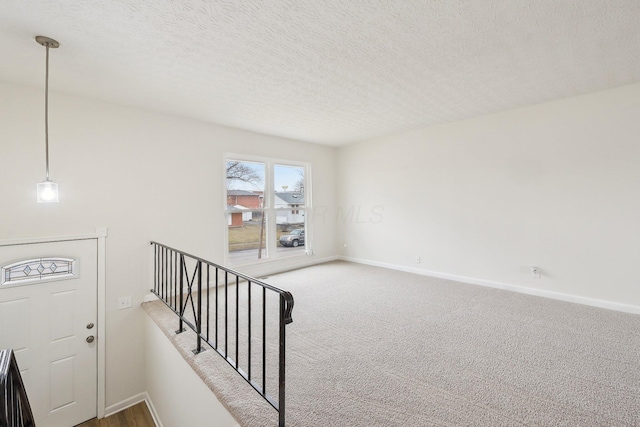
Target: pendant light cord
46 113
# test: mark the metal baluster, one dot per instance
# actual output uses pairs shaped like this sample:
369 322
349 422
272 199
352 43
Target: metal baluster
164 273
171 285
217 345
157 262
172 281
171 253
155 267
199 315
182 265
174 288
281 373
176 279
237 315
161 266
264 340
167 279
226 314
208 286
249 330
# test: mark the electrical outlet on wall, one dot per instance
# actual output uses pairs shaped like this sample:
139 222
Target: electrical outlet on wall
418 260
124 302
535 272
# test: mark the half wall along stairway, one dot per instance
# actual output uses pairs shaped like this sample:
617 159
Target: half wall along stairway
240 317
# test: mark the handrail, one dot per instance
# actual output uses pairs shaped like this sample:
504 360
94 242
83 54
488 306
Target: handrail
15 410
176 285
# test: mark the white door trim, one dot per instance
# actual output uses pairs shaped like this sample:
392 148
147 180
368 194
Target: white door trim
101 240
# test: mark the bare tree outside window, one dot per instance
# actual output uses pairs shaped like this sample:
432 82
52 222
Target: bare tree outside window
245 208
300 182
241 172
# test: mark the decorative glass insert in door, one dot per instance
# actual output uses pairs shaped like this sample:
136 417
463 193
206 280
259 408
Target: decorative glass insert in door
37 269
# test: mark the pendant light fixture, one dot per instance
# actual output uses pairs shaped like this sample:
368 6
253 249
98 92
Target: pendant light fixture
47 190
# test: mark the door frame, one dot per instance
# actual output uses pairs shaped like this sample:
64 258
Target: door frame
100 236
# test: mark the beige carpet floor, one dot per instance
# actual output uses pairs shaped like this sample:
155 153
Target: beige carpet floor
376 347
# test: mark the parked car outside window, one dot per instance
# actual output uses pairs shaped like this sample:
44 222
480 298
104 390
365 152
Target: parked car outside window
295 238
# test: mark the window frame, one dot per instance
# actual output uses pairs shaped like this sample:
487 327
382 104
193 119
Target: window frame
269 209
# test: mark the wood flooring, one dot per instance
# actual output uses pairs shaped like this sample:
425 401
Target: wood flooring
136 416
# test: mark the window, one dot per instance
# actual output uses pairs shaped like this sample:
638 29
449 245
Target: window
266 209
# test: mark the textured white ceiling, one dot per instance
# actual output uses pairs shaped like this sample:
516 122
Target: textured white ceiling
325 71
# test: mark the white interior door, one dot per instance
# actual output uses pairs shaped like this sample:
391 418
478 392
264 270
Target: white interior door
48 312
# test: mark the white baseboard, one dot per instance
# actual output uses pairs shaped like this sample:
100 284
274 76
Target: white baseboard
152 410
149 297
134 400
610 305
285 265
126 403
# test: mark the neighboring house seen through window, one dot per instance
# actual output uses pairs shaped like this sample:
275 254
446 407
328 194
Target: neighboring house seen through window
266 209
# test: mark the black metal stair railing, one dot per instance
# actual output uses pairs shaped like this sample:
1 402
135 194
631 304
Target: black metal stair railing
15 410
224 310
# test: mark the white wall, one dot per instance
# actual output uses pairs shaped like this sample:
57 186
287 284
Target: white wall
555 185
143 175
179 396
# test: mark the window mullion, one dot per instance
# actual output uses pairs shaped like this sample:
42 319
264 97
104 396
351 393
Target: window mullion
271 216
